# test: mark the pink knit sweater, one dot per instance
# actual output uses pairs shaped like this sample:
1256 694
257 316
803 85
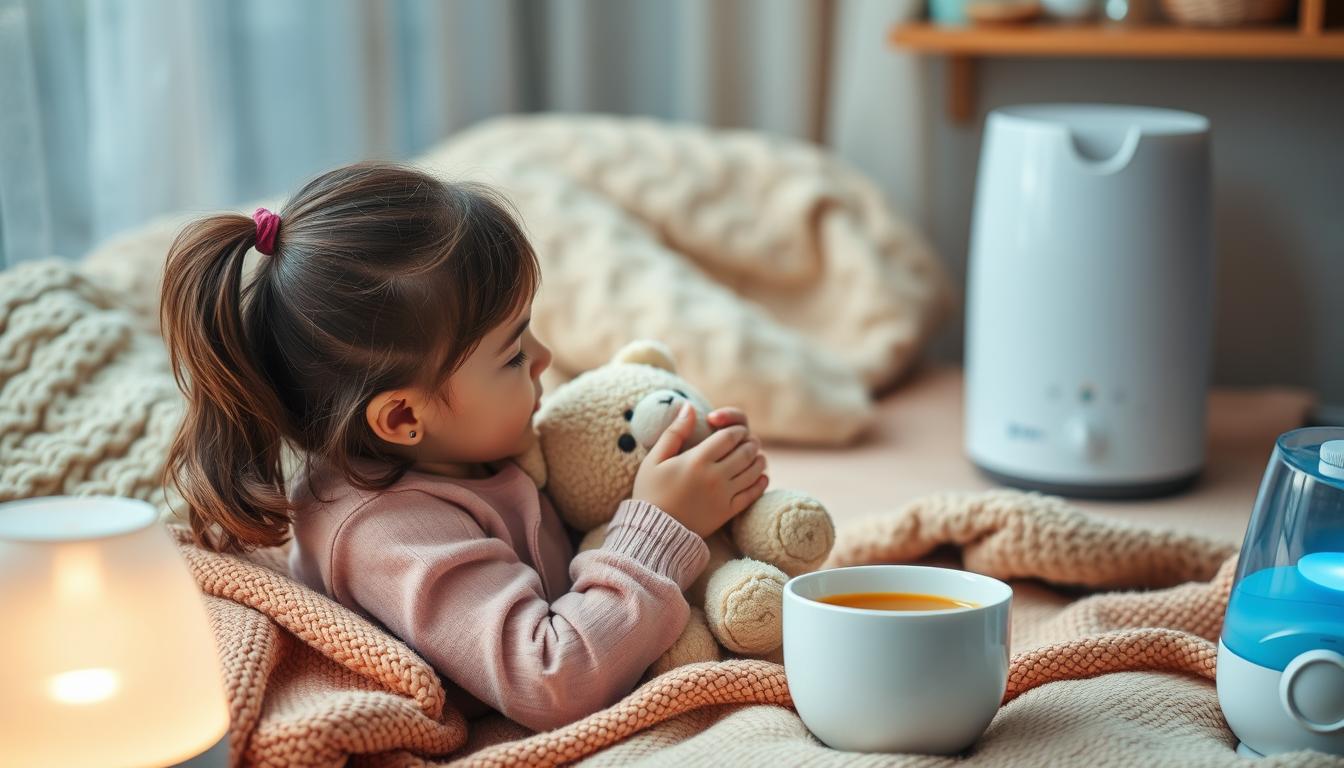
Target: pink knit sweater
479 577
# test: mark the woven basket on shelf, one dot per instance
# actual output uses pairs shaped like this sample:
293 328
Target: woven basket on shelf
1225 13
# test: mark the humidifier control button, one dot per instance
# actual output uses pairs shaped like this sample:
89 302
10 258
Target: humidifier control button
1085 437
1312 690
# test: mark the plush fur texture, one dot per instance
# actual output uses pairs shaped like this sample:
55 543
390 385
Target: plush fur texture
593 433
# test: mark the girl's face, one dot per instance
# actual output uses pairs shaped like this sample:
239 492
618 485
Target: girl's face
490 401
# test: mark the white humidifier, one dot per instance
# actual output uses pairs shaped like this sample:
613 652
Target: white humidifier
1089 300
1281 654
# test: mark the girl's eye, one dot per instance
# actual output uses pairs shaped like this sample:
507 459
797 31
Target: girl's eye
518 359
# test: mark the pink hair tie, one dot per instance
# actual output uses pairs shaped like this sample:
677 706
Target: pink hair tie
268 226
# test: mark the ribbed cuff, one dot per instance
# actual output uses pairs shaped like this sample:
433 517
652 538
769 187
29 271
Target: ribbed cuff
646 533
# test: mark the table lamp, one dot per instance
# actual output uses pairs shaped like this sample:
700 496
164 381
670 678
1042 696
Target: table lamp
106 655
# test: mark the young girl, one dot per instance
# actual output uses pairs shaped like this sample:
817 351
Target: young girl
384 335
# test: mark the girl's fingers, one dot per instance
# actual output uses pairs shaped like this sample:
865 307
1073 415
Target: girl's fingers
720 444
757 442
669 443
726 417
739 458
746 477
748 496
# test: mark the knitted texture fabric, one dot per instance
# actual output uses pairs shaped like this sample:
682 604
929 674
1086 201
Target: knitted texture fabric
87 402
781 279
311 683
1014 535
87 405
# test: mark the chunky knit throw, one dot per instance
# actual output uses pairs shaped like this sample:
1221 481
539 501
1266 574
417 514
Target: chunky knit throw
1114 678
87 402
781 279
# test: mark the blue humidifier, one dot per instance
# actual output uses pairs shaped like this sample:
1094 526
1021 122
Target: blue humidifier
1281 656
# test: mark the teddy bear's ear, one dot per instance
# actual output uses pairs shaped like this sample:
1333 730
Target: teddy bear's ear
648 352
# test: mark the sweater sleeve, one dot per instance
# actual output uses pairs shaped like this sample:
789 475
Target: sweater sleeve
429 573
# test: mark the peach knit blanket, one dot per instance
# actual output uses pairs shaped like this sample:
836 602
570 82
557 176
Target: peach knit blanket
1121 678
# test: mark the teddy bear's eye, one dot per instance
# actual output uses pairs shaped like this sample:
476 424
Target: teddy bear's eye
629 415
683 394
626 442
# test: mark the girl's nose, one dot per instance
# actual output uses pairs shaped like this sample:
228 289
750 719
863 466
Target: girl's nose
541 360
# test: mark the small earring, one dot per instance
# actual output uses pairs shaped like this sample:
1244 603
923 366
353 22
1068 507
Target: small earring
412 433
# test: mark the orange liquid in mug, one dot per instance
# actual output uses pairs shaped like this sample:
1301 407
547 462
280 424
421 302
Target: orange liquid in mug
895 601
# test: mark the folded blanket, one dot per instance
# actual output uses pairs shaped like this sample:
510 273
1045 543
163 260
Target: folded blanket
1091 679
87 402
780 277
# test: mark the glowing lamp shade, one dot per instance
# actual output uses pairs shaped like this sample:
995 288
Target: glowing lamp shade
106 652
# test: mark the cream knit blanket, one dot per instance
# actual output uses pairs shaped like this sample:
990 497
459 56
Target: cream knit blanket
87 402
779 276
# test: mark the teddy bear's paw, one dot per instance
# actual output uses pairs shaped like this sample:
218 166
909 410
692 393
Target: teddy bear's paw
744 603
786 528
593 539
695 644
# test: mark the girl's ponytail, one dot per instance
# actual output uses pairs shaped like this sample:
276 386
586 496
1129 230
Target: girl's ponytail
384 276
226 459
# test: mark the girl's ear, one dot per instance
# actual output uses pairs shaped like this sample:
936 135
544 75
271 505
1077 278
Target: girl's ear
391 416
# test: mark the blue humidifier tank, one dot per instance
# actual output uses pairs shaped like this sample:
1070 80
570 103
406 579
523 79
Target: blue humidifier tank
1281 656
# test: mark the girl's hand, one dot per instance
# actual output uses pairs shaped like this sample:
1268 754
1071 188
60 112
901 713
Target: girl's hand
707 485
727 417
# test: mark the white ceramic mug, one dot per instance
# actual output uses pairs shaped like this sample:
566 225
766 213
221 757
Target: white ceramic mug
897 681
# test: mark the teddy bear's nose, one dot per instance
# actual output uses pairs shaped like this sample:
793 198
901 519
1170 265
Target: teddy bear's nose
666 401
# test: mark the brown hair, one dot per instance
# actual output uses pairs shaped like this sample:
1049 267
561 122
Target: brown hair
383 277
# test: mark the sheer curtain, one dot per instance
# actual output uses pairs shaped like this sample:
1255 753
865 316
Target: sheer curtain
112 112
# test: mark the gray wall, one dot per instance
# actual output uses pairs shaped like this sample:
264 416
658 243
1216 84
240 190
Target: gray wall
1278 169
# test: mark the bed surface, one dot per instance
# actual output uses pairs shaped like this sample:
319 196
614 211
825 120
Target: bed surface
916 448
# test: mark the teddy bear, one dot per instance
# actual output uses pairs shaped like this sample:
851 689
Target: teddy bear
593 432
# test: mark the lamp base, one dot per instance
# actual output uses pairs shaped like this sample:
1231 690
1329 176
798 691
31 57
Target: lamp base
217 756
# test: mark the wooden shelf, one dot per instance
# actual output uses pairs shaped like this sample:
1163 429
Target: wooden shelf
1309 39
1094 40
